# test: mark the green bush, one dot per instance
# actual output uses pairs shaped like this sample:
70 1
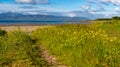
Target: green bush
2 32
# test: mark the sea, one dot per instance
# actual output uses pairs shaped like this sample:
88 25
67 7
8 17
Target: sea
41 22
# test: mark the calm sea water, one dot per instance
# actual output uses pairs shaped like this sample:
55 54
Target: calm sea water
39 22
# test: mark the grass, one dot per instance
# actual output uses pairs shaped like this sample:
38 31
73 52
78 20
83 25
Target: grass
17 49
78 45
73 45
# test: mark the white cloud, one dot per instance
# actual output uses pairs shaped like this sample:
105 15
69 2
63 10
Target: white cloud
70 14
33 13
117 9
23 1
115 2
33 1
85 7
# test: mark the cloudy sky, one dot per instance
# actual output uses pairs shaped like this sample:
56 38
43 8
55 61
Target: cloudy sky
80 8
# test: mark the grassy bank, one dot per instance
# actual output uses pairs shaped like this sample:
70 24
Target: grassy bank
73 45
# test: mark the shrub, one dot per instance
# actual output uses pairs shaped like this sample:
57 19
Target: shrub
2 32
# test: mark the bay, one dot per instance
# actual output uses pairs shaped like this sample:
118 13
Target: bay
11 22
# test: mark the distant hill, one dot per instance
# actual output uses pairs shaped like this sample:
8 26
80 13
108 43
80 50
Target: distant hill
9 16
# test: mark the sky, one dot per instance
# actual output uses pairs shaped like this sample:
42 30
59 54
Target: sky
73 8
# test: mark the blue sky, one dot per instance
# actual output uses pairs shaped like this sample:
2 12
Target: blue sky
80 8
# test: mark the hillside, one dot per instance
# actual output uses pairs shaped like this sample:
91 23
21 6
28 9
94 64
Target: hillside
22 17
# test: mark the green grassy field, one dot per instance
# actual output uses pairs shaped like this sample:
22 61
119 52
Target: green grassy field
73 45
18 49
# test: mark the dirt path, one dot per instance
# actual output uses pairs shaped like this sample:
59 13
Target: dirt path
52 60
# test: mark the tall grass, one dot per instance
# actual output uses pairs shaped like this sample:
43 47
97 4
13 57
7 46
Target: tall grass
17 49
75 45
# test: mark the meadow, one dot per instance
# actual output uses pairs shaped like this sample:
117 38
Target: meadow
73 45
18 49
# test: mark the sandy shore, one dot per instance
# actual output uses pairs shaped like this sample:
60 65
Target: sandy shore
22 27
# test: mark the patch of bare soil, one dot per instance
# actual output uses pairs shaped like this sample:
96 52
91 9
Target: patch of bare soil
52 60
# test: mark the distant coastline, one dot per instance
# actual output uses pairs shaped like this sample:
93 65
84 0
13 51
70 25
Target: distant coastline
17 23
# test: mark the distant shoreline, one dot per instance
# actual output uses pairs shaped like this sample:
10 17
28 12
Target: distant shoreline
1 25
43 23
30 27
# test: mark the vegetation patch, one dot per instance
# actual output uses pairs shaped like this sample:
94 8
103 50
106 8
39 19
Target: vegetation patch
70 45
79 45
18 49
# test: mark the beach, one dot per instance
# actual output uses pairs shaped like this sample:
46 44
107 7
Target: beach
27 28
